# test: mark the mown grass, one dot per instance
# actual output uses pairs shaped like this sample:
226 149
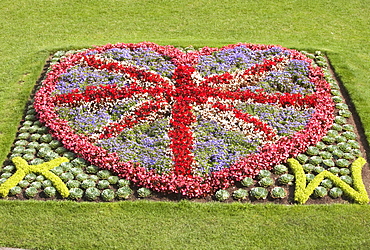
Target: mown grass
31 29
183 225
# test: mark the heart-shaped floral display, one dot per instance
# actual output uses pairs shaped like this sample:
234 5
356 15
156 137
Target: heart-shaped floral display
183 120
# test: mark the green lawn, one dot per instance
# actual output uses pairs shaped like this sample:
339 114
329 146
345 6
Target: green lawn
31 29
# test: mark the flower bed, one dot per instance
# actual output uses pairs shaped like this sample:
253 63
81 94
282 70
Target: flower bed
185 121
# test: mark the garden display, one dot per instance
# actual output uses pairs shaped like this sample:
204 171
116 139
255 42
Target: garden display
245 122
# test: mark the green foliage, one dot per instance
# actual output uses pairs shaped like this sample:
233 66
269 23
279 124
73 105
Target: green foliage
278 193
281 169
124 192
327 183
30 192
82 177
50 192
73 184
75 193
222 195
266 182
143 192
302 158
247 181
263 173
240 194
286 179
259 192
103 184
104 174
92 193
335 192
319 192
123 183
87 184
107 195
15 190
92 169
113 179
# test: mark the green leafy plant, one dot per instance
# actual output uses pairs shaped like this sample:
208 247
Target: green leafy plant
124 192
335 192
75 193
15 190
113 179
247 181
278 193
240 194
103 174
87 184
107 195
123 183
222 195
30 192
50 192
143 192
286 179
263 173
259 192
319 192
103 184
281 169
266 182
92 193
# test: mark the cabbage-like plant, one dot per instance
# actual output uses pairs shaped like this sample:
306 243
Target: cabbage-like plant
337 127
326 183
76 171
107 195
345 147
335 192
348 127
315 160
259 192
104 174
312 150
60 150
278 193
92 193
347 179
281 169
73 184
15 190
302 158
328 163
93 178
123 183
23 183
331 148
309 177
30 192
342 163
36 161
6 175
320 145
36 184
75 193
318 169
325 155
308 167
319 192
328 139
50 192
40 178
87 184
143 192
263 173
103 184
113 179
69 155
46 138
344 171
354 144
55 144
30 177
349 135
340 120
57 170
348 156
66 166
340 139
82 177
46 183
345 113
124 192
334 170
222 195
9 168
66 176
79 162
92 169
266 182
247 181
240 194
286 179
